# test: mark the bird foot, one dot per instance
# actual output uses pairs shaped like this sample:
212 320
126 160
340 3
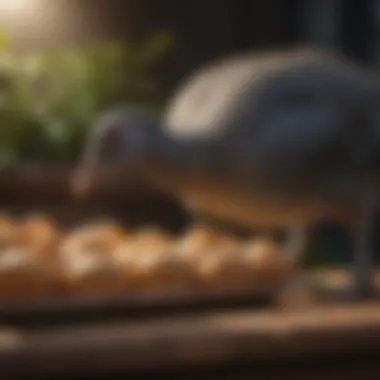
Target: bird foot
300 292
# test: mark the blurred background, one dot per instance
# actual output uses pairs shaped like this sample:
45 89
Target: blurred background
63 62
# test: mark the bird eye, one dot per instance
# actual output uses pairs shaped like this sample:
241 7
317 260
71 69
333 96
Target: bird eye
112 142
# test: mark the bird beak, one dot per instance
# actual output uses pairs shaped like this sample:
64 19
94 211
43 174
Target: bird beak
82 184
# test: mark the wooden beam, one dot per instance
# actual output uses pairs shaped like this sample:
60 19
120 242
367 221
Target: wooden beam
207 339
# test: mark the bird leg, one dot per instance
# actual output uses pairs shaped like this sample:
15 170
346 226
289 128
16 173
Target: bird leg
297 240
298 291
362 232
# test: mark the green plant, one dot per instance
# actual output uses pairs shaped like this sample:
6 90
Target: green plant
49 99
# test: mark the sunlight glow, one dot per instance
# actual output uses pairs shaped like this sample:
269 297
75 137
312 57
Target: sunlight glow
17 8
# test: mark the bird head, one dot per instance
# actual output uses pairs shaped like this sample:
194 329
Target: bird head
115 149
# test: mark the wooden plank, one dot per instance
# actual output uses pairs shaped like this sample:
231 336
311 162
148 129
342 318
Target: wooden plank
95 307
207 339
62 309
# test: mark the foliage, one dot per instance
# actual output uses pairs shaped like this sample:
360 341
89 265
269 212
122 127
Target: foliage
49 99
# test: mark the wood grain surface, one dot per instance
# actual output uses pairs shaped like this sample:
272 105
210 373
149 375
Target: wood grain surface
208 338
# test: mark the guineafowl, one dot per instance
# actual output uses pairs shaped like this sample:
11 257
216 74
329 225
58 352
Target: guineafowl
279 139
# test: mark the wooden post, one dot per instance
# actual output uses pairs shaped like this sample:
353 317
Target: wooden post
322 22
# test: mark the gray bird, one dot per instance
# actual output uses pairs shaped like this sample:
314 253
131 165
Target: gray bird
281 139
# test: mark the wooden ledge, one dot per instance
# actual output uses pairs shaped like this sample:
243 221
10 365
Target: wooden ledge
207 339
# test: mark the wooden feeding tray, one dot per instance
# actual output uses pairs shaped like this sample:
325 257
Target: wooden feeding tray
101 271
92 307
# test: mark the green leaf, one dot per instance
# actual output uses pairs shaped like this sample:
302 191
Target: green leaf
5 41
49 99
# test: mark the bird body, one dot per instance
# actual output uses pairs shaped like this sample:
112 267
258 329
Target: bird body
278 139
271 139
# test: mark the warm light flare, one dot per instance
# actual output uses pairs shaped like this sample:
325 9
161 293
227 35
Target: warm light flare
17 8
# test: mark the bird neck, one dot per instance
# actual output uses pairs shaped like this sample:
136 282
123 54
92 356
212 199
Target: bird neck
174 163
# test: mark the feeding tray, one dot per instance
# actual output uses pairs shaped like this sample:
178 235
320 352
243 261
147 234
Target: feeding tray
101 272
64 309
